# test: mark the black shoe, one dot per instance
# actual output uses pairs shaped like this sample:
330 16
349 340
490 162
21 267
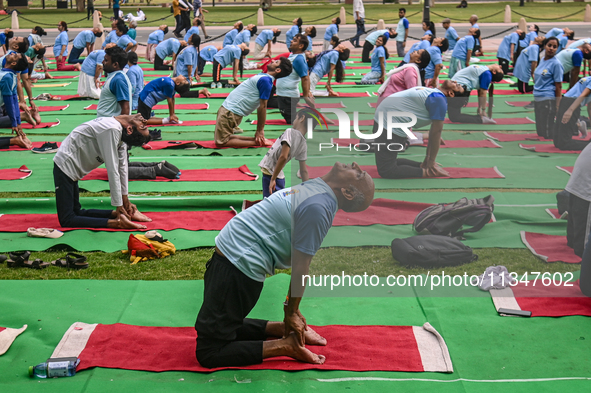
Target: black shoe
531 105
155 134
207 37
48 147
513 85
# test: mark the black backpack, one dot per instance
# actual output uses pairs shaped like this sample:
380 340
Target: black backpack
431 251
449 219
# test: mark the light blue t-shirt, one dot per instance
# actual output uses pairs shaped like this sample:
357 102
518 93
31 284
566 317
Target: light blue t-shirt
522 69
375 59
546 75
83 38
577 44
372 37
187 57
229 38
124 40
117 88
208 53
61 40
529 37
244 99
264 37
555 32
309 43
570 58
578 88
135 74
463 46
452 37
95 58
242 37
111 37
423 44
227 55
563 42
330 31
168 48
192 30
289 86
403 24
436 59
260 239
473 77
156 37
290 34
428 32
504 51
322 67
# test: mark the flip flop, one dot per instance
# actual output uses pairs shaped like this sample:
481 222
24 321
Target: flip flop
71 261
18 258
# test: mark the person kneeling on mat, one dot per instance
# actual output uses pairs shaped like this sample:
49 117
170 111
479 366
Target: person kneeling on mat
567 118
283 231
158 90
102 140
429 106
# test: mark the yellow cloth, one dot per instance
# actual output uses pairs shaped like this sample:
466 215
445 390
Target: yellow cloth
162 250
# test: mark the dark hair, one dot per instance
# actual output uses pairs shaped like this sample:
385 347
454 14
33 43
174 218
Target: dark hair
64 25
498 77
431 27
240 27
337 22
444 45
40 53
121 26
285 66
254 30
334 40
477 34
98 34
198 22
39 30
181 47
521 36
165 31
308 113
302 39
244 53
132 57
550 39
22 63
571 36
312 32
339 72
586 56
182 88
10 34
275 35
425 60
23 46
402 9
431 38
117 55
311 61
195 40
386 53
344 55
536 28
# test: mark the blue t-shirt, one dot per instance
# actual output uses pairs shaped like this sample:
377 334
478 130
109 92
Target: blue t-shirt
244 99
463 46
61 40
504 51
452 37
401 27
423 44
83 38
111 37
428 32
242 37
227 55
264 37
290 34
192 30
229 38
124 40
92 60
157 90
375 59
119 87
322 67
563 42
7 85
547 74
436 59
115 3
168 48
260 239
330 31
522 69
156 37
309 43
208 53
555 32
187 57
136 77
2 38
579 88
132 33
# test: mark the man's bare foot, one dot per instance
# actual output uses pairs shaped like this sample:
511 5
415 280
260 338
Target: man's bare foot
35 115
333 94
26 116
302 353
313 338
78 67
48 76
123 223
22 141
268 142
137 216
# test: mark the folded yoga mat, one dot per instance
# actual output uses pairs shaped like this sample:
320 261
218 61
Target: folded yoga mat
18 148
454 173
350 348
221 174
157 145
382 211
457 143
7 337
211 220
41 125
548 148
15 173
544 298
554 213
567 169
549 248
93 107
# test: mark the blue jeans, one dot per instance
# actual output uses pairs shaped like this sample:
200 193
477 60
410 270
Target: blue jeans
279 185
360 31
75 56
372 76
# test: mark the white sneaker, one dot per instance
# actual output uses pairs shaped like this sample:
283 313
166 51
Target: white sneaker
488 120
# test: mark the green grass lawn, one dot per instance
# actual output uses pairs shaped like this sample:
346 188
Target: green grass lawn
322 13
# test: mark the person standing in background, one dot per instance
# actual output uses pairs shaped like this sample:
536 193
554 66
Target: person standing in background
401 32
89 8
116 9
198 11
359 15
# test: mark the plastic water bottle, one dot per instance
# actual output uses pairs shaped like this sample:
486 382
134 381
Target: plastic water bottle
53 368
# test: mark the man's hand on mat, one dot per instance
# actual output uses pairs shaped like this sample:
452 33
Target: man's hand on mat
433 170
122 211
174 119
259 138
205 92
296 323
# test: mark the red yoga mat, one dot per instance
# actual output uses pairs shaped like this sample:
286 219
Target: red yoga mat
549 248
157 145
221 174
547 149
382 211
15 173
41 125
18 148
454 173
62 97
7 337
545 298
458 143
503 122
52 108
62 77
503 137
567 169
350 348
213 220
554 214
93 107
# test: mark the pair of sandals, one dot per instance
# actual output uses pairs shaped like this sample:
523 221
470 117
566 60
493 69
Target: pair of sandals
21 259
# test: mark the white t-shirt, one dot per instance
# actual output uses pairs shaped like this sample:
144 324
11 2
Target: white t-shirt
579 183
298 150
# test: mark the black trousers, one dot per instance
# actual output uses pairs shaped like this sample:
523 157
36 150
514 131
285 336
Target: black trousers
577 228
116 12
563 133
69 211
524 87
200 65
454 110
545 113
89 12
216 71
5 142
287 108
387 162
367 48
159 64
225 337
504 63
179 24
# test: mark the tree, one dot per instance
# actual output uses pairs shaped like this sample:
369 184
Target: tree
80 5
